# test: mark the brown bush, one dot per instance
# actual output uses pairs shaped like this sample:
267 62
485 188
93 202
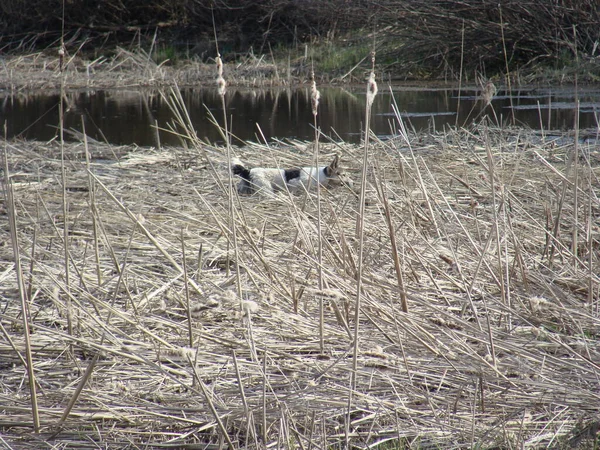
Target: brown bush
38 23
430 33
431 36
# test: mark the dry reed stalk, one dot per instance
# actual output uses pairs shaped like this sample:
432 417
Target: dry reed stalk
211 405
92 200
360 221
496 223
575 228
315 95
84 379
392 235
590 238
221 86
188 308
264 384
559 214
460 71
32 265
25 312
63 178
505 53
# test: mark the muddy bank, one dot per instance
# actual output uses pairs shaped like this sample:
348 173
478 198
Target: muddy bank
195 335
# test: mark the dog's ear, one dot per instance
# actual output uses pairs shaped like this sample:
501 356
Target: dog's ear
334 164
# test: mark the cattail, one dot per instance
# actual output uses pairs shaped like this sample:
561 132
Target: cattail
61 57
221 83
489 90
371 90
219 65
315 95
372 84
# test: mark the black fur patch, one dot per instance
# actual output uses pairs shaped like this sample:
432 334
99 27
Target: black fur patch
327 171
290 174
241 171
244 186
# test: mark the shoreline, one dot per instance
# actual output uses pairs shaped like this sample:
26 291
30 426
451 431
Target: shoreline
34 72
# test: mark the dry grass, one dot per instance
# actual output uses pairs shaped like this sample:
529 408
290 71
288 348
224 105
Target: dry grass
499 348
127 69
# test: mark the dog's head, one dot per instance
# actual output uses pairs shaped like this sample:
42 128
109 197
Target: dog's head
335 174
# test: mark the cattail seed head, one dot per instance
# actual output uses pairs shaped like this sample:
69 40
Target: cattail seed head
371 89
221 83
488 92
315 95
61 57
219 62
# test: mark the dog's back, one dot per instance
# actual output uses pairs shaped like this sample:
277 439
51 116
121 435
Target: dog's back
272 179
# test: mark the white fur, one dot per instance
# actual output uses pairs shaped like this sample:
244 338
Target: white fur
310 176
269 180
274 179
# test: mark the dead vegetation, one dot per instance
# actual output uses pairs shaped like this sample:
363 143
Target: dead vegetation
126 69
491 37
527 41
146 341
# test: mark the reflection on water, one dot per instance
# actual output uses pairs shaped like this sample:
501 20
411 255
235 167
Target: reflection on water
125 117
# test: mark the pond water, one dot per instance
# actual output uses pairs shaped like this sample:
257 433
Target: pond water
131 116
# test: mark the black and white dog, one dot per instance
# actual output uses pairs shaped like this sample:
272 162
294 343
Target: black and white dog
270 180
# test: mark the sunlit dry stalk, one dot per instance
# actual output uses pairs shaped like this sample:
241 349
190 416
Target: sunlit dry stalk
63 177
188 308
460 72
315 95
574 231
590 238
264 396
91 366
78 390
211 406
496 231
394 246
508 80
559 214
25 313
222 88
92 200
360 221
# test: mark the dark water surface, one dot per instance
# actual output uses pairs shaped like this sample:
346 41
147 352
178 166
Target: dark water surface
129 116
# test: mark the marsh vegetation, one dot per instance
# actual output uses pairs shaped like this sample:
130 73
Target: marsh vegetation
447 298
140 334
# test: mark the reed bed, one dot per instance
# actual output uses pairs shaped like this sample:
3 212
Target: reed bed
129 68
499 347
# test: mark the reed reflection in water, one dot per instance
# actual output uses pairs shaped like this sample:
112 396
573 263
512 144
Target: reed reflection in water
131 116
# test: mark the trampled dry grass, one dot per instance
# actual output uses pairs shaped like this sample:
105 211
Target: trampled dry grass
499 347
